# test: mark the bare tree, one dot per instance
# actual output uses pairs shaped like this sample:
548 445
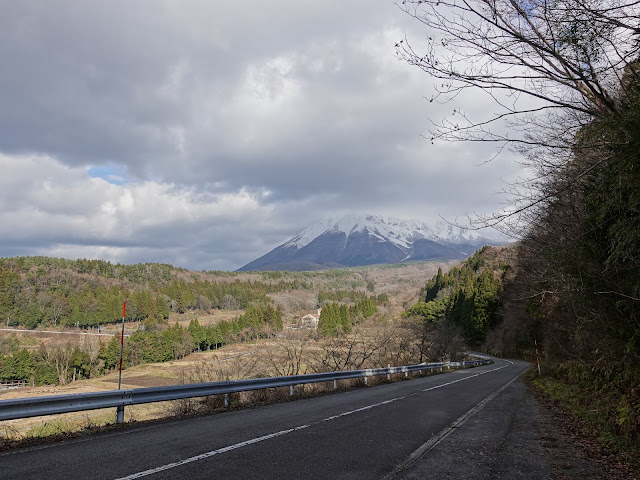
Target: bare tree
351 351
434 341
287 356
59 307
550 66
60 358
568 54
398 344
91 345
421 332
446 342
229 302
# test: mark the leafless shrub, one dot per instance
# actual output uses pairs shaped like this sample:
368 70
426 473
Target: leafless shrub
446 342
91 345
266 396
9 434
349 352
287 356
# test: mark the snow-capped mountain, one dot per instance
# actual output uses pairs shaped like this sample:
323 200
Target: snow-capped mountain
356 240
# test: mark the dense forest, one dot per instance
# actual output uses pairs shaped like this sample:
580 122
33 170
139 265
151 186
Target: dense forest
573 279
347 296
468 296
579 269
336 318
85 293
53 292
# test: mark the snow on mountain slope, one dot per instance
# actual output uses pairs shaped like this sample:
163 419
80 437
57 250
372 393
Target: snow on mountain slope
401 233
356 240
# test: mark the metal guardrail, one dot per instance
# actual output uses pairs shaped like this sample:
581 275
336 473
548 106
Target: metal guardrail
51 405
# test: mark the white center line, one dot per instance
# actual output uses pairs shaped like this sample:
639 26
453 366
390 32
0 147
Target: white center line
361 409
463 379
210 454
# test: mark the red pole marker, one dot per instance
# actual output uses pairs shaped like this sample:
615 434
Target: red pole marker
124 306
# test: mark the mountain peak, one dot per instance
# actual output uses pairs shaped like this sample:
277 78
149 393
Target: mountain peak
355 240
398 231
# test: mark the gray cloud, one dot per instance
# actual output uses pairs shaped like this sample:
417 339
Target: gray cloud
232 126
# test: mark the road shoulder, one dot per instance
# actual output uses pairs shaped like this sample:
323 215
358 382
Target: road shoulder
518 434
501 440
573 454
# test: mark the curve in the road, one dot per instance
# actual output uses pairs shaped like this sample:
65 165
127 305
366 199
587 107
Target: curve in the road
423 449
364 433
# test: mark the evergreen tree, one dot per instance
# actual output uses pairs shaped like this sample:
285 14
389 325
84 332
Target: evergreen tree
199 334
329 319
345 319
433 286
16 366
111 354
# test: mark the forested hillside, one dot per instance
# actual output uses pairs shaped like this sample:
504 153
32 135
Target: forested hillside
53 291
43 293
467 297
501 299
579 269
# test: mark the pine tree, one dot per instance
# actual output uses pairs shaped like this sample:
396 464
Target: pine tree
345 320
329 319
198 333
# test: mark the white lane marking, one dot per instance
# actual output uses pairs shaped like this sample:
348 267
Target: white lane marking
248 442
284 432
463 379
361 409
444 433
211 453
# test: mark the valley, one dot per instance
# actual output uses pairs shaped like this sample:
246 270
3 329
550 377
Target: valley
376 341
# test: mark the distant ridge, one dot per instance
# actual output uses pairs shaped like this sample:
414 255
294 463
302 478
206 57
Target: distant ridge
358 240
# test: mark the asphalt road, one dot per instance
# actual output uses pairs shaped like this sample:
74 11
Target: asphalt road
474 423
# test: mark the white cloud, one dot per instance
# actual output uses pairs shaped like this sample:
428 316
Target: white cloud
205 134
51 207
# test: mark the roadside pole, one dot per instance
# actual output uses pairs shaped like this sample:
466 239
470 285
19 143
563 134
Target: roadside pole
120 409
535 341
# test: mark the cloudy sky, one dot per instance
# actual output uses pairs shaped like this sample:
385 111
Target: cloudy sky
204 134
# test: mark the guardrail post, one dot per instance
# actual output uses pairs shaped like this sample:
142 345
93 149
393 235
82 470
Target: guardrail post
335 384
365 380
226 399
389 371
406 373
120 414
291 390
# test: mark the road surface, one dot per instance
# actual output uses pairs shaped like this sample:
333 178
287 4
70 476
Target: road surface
476 423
